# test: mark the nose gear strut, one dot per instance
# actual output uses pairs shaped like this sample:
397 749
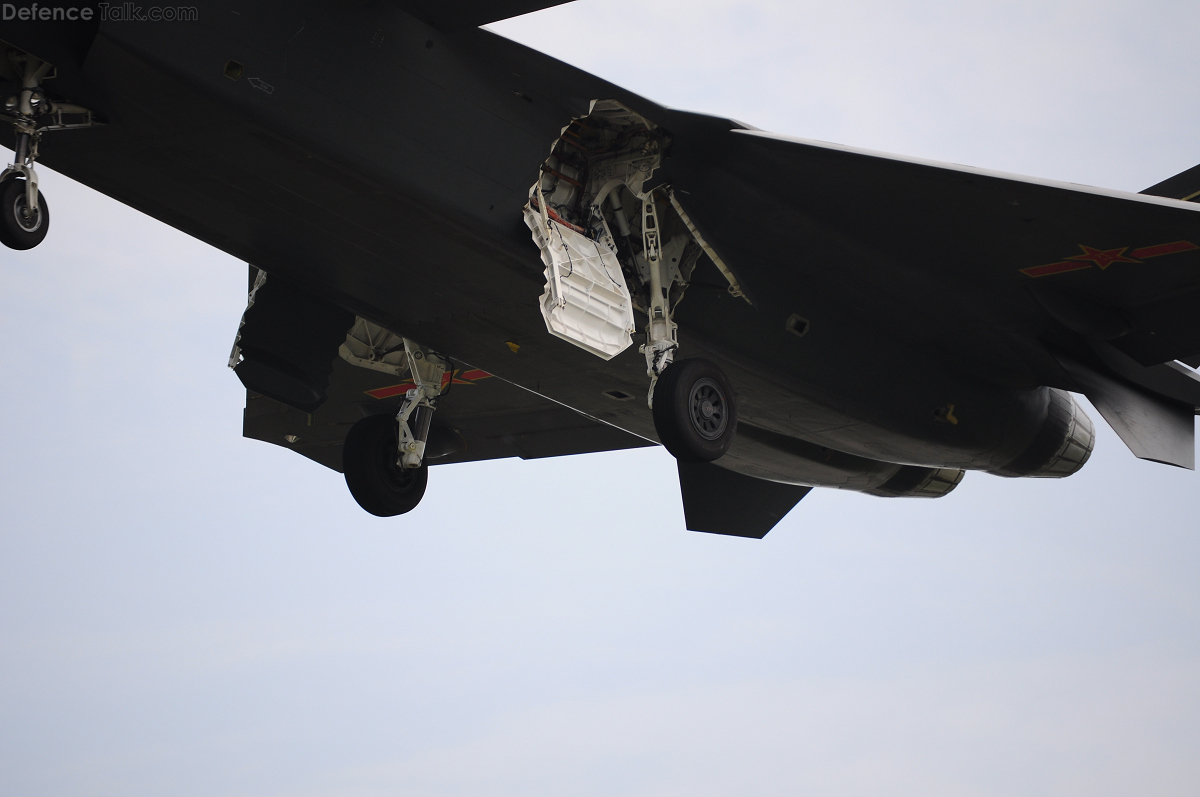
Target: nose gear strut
24 215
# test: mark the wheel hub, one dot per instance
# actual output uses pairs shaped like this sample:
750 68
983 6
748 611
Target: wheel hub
399 478
28 220
707 409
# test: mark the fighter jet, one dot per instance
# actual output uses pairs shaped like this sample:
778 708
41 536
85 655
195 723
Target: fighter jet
462 249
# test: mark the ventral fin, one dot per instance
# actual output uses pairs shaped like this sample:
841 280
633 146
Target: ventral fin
720 501
1154 428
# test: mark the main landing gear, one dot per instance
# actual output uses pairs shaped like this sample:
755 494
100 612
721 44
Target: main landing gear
604 220
383 456
377 479
24 214
691 400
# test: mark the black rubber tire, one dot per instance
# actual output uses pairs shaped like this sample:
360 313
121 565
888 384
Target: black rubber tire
377 483
17 231
695 414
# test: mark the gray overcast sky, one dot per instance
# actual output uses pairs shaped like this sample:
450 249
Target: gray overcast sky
185 612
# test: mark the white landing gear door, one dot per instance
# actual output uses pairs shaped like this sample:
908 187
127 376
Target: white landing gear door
586 301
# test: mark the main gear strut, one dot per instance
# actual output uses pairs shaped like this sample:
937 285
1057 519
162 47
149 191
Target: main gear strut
416 412
662 333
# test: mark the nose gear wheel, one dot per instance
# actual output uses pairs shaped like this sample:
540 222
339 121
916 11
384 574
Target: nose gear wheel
20 226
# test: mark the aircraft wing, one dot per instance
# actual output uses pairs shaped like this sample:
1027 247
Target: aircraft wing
479 417
457 14
1071 282
958 237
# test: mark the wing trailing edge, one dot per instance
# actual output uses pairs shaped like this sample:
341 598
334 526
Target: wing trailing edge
450 15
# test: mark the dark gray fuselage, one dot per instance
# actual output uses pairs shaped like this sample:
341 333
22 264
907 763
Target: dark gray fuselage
383 164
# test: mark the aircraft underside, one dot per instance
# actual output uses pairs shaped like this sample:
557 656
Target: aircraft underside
473 251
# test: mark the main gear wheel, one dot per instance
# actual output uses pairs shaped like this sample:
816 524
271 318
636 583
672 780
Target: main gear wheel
695 414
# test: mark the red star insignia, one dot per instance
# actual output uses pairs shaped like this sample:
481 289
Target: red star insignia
1104 257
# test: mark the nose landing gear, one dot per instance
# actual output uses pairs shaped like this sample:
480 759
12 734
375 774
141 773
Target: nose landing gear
24 215
25 218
